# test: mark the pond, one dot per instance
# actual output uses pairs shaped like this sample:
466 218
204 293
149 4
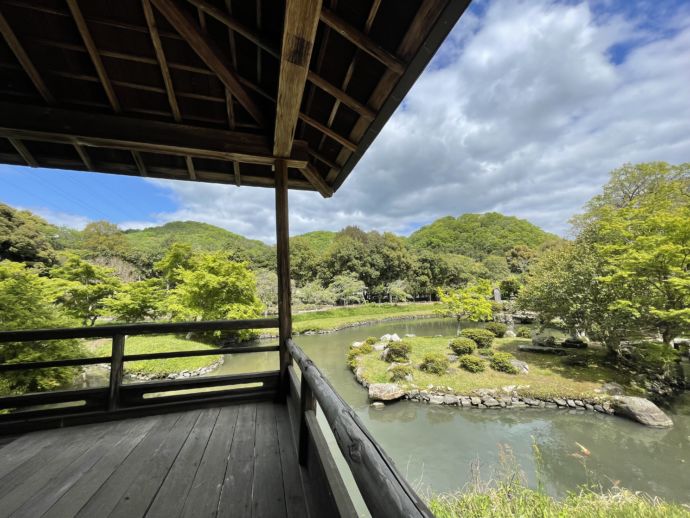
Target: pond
436 447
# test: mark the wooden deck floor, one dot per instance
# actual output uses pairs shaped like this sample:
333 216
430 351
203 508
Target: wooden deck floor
236 460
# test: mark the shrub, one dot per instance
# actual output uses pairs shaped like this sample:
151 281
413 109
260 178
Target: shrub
371 340
523 332
498 329
482 337
472 363
462 345
435 363
352 355
397 352
399 372
365 348
501 362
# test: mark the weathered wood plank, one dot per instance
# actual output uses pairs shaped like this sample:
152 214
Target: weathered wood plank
76 496
299 32
204 494
116 371
283 259
236 492
109 493
118 438
315 178
268 496
295 504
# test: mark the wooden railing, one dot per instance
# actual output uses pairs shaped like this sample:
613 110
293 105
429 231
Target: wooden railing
384 490
120 400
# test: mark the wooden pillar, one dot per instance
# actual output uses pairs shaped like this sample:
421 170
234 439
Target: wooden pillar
283 251
116 371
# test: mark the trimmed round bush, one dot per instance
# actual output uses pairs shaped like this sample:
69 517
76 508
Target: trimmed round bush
435 363
462 345
497 328
352 355
365 348
399 372
371 340
482 337
472 363
523 332
501 362
397 352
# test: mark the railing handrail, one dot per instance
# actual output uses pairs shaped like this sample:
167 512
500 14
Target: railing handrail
59 333
384 489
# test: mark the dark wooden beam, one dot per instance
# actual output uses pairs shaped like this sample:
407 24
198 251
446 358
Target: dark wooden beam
283 270
190 167
202 45
328 131
299 32
24 60
341 96
116 131
23 152
93 52
141 166
84 156
315 178
361 40
162 61
237 173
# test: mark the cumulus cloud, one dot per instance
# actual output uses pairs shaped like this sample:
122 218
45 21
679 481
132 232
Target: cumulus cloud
61 219
525 110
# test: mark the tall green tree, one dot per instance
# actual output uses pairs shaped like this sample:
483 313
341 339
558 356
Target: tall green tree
26 303
26 238
83 287
178 257
102 238
136 301
348 289
469 303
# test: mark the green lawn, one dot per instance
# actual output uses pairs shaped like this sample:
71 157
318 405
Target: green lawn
549 375
333 319
158 344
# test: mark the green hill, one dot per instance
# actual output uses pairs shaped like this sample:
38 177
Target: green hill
479 235
318 241
153 241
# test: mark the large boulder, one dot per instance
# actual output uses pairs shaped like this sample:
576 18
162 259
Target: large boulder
391 338
641 410
544 341
541 350
385 392
574 343
521 366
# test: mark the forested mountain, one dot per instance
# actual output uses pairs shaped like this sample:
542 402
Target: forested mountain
479 235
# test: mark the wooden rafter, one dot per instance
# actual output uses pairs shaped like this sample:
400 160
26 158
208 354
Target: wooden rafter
361 40
209 54
84 156
23 152
138 135
315 178
299 33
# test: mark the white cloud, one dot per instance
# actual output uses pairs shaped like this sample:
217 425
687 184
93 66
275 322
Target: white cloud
61 219
524 111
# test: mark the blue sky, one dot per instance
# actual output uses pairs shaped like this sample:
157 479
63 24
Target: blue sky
526 108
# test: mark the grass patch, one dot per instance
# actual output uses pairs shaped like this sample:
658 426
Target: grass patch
549 376
337 318
158 344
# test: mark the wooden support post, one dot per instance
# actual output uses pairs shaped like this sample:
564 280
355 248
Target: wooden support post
116 371
283 251
307 403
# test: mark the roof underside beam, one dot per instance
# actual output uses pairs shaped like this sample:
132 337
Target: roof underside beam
64 126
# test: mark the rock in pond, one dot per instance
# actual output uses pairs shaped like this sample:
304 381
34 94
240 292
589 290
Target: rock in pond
641 410
385 392
378 404
391 338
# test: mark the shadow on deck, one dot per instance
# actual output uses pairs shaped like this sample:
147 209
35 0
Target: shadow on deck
236 460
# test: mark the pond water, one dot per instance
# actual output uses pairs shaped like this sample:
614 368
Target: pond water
437 446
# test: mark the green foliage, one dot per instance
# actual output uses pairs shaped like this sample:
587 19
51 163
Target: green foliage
397 351
371 340
510 287
497 328
25 237
214 288
348 289
434 363
101 238
462 345
523 332
25 303
470 303
267 290
399 373
313 293
500 361
135 302
365 348
482 337
82 287
472 363
479 235
176 258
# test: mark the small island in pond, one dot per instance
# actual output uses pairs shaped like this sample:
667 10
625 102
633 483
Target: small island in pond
482 368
